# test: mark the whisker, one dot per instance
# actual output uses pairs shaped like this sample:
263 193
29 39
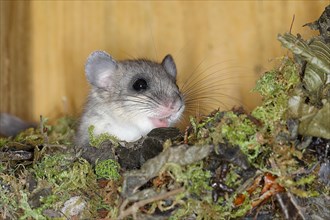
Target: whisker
208 89
187 81
192 77
209 77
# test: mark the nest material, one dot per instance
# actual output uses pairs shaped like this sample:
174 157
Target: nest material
272 162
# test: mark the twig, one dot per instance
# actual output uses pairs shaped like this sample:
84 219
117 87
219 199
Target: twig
42 130
133 208
292 23
186 134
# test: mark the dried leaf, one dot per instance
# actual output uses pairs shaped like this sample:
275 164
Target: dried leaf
307 52
181 155
313 121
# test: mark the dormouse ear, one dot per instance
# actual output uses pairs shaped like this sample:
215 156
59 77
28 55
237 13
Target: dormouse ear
99 69
169 65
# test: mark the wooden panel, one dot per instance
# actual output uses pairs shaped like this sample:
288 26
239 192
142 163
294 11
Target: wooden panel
15 71
235 40
64 35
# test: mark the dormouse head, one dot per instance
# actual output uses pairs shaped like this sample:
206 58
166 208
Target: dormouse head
140 91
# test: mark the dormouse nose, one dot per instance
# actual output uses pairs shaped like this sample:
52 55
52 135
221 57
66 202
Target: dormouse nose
177 103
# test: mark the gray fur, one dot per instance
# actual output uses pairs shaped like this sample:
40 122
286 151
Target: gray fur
11 125
99 69
169 65
112 95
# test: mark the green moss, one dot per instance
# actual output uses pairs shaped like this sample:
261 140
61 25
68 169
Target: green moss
194 177
278 81
275 87
302 187
80 176
108 169
65 174
97 140
63 131
30 136
8 204
28 211
198 179
53 168
3 142
201 210
239 130
306 180
232 178
255 140
2 167
268 85
232 128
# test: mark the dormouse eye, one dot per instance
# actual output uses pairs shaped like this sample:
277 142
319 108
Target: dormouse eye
140 85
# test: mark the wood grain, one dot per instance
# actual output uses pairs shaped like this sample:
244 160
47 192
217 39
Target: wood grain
15 63
230 40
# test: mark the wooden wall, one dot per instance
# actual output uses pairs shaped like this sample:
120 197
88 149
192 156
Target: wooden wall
16 79
44 45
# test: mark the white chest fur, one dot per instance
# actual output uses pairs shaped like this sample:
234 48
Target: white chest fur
128 129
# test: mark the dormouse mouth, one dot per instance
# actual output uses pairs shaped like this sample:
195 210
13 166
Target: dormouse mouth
160 122
165 118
